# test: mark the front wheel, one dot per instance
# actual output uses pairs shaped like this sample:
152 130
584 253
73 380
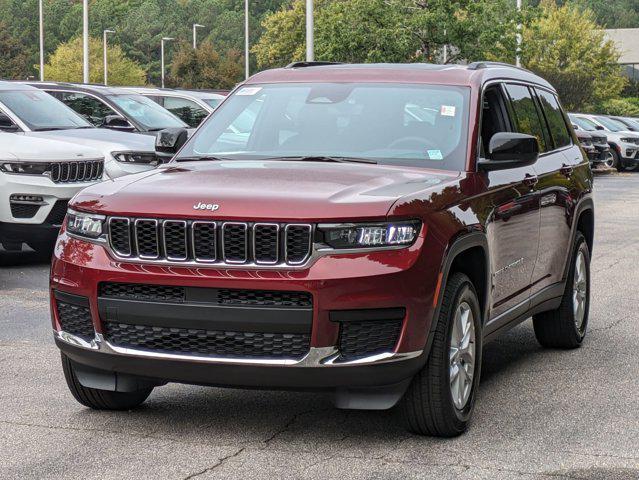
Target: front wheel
440 399
565 327
101 399
617 162
609 162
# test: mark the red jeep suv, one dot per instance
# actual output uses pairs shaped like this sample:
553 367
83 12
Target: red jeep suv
357 229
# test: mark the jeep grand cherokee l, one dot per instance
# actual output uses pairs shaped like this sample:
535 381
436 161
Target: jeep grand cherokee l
366 234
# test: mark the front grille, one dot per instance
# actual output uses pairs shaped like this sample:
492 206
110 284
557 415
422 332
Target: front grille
211 242
208 342
57 213
135 291
24 210
71 172
75 320
222 296
359 339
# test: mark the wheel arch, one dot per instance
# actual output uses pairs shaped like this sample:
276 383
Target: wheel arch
584 222
467 253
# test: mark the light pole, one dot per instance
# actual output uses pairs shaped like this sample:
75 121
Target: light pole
41 15
517 57
246 38
106 63
195 27
164 39
310 37
85 41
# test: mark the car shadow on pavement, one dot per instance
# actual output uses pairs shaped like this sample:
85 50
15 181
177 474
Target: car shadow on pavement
25 258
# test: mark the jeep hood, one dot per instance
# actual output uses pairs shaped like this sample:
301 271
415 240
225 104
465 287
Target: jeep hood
260 190
103 139
18 147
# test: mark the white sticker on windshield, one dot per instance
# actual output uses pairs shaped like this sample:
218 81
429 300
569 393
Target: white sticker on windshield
435 155
248 91
447 111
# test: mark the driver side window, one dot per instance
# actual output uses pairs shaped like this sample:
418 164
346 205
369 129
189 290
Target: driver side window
494 117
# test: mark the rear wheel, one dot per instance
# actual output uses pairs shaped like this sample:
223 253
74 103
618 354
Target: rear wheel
566 326
101 399
440 399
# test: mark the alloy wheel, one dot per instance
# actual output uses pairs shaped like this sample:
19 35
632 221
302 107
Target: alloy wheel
579 290
462 355
610 160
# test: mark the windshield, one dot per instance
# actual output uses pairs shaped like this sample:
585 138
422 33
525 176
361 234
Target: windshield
213 102
419 125
629 122
40 111
584 123
612 125
146 112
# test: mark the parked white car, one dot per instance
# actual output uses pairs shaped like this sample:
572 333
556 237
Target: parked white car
31 112
38 177
624 144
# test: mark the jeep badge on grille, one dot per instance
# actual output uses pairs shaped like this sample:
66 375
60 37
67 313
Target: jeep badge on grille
206 206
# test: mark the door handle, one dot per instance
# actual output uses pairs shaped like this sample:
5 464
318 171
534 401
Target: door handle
566 170
531 180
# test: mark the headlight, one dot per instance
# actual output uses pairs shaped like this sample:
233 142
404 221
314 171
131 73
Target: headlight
629 140
24 168
87 225
144 158
370 235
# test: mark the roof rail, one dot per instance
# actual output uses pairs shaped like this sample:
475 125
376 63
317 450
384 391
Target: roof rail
311 64
487 64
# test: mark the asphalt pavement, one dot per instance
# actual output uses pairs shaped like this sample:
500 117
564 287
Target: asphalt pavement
540 413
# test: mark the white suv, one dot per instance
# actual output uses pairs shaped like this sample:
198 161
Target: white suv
624 144
31 112
37 179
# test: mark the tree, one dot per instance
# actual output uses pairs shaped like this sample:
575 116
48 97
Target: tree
14 59
566 47
65 65
389 30
205 68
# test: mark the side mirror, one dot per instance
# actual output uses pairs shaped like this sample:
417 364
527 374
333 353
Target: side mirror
510 150
575 127
169 141
599 127
7 125
116 122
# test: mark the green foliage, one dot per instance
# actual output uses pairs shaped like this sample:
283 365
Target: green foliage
389 30
205 68
65 65
623 107
14 59
566 47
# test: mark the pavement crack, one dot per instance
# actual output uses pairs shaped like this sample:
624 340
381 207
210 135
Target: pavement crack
288 425
218 464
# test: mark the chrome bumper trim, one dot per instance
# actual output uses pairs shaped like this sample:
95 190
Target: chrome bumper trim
316 357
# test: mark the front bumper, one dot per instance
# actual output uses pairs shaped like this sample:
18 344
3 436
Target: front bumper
43 221
337 283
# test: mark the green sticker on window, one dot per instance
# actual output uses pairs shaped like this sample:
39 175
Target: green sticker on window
435 155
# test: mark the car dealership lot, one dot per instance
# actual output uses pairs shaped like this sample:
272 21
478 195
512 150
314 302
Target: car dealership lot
540 413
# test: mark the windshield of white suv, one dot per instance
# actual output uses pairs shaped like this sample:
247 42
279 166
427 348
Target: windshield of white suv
213 102
612 125
40 111
146 112
584 123
419 125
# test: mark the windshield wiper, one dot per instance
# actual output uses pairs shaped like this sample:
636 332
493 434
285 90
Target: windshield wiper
323 158
50 129
202 158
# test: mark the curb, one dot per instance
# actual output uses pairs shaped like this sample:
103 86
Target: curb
604 171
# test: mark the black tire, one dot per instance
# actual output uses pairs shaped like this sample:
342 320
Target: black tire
101 399
617 162
558 328
428 407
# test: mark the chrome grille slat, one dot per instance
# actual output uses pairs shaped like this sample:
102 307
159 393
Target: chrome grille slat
268 244
80 171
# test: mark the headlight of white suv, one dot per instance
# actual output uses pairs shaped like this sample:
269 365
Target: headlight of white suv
370 235
140 158
87 225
